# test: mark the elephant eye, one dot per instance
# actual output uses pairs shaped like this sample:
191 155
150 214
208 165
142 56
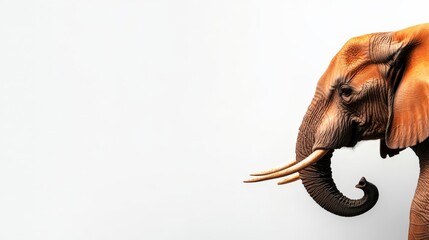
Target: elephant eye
346 92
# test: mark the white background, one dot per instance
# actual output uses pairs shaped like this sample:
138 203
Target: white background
140 119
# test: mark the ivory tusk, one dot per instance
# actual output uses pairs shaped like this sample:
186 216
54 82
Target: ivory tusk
314 157
291 178
274 169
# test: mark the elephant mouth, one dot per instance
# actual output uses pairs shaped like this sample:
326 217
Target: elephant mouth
355 134
290 171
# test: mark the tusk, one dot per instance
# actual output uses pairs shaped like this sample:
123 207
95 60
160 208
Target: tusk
274 169
314 157
292 178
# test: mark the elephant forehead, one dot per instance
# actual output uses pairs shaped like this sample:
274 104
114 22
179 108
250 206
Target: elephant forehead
356 75
327 84
352 53
346 63
364 75
336 73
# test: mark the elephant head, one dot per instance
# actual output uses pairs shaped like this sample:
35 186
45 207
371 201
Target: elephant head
376 87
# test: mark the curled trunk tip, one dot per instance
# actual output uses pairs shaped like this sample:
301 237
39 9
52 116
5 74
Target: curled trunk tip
321 187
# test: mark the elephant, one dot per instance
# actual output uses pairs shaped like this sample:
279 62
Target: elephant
375 88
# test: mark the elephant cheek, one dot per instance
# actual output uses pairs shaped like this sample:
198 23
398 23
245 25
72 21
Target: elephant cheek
331 134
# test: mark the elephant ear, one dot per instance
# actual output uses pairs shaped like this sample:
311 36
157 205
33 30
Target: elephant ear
386 151
408 80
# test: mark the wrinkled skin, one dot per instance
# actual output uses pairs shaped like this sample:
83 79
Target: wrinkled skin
376 87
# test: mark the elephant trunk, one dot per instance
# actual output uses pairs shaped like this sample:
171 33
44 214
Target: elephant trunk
318 182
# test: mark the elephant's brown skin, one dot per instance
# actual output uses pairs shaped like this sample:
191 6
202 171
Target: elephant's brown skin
419 213
376 87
